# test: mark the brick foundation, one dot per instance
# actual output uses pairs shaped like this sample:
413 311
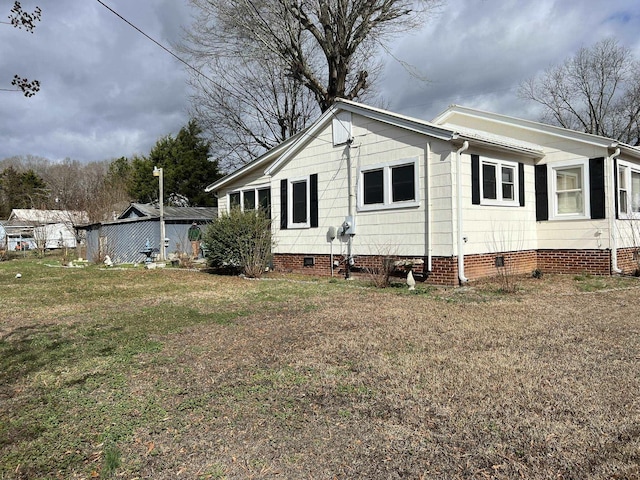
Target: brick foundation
629 260
490 264
593 262
444 270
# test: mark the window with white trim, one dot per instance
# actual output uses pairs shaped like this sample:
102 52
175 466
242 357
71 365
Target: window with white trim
628 190
298 209
390 185
252 199
499 182
570 190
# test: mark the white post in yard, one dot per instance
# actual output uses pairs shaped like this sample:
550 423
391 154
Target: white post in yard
158 172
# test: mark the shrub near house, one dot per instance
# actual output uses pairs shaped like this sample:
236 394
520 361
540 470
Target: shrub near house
239 241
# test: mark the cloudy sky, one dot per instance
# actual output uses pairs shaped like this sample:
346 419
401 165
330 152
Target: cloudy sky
107 91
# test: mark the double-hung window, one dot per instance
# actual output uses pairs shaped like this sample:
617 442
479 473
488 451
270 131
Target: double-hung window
628 190
570 187
499 182
389 185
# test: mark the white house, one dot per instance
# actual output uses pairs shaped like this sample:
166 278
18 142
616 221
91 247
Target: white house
48 229
465 193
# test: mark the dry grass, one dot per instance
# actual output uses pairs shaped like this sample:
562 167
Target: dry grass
219 377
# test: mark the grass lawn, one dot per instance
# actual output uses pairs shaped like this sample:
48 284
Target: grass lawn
168 374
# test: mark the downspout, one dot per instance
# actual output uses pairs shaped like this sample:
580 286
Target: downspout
350 209
612 218
427 207
461 239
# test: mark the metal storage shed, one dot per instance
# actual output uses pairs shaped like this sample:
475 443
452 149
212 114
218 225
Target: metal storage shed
126 237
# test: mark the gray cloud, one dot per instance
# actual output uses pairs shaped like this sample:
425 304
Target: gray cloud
476 52
107 91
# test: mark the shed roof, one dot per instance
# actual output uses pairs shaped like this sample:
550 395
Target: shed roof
32 216
152 210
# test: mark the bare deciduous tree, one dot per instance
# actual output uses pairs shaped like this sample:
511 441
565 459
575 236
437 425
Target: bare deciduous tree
596 91
95 188
250 108
277 63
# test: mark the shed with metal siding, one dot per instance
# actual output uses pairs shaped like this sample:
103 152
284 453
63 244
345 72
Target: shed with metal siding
126 237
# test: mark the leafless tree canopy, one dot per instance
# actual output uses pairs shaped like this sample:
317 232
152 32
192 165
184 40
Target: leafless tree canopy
272 65
596 91
70 185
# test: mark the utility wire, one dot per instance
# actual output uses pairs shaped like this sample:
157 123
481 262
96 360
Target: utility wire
154 40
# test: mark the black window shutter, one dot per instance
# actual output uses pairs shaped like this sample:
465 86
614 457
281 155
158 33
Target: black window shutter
475 179
313 200
283 204
615 186
596 185
542 200
521 182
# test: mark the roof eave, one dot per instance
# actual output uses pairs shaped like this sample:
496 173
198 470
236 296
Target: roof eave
527 152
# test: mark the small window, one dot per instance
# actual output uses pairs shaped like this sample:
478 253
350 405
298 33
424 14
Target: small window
623 191
569 182
508 183
249 200
628 190
635 191
264 201
489 191
392 185
234 200
403 183
299 190
569 191
373 187
498 182
299 201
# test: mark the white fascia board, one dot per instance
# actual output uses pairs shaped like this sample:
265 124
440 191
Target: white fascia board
527 152
530 125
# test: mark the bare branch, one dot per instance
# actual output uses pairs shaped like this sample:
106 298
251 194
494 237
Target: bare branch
28 88
277 63
21 19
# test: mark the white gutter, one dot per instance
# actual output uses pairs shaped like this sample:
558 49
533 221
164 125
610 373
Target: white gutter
350 209
461 239
612 217
427 206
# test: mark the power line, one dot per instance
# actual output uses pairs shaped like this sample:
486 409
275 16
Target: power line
154 40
